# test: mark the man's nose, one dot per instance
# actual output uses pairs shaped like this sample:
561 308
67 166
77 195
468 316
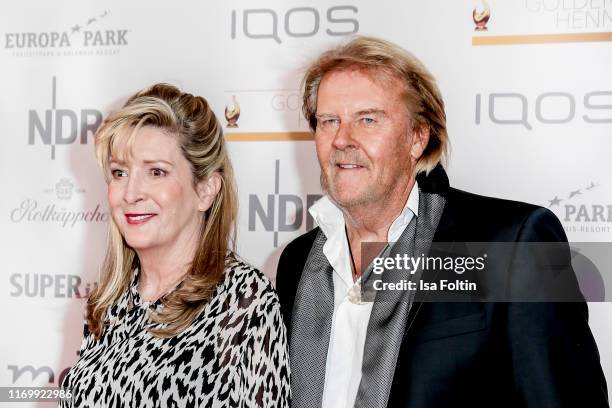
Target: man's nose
343 139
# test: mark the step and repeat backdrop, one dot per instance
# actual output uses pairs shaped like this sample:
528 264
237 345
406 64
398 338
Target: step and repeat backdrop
526 83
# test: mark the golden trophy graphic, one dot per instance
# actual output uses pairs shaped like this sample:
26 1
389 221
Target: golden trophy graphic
232 114
481 16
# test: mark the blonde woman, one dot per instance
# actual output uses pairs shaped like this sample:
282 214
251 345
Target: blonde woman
177 318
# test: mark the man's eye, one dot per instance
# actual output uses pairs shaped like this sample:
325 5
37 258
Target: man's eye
329 122
368 121
158 172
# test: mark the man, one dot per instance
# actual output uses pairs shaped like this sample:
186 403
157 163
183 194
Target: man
380 136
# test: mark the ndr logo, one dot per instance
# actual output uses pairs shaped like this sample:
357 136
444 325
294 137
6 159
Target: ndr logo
274 215
61 126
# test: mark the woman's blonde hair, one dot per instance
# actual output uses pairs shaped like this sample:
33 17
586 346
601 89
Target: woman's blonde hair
200 138
384 61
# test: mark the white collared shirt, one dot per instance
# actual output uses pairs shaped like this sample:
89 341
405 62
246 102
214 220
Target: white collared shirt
350 319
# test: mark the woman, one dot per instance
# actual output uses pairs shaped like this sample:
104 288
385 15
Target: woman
177 319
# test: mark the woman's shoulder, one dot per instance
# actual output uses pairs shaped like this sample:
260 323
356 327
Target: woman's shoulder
247 285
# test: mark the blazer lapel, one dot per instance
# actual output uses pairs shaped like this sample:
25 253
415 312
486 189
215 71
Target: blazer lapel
391 310
311 327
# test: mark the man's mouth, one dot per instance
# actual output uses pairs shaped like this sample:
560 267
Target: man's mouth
138 218
348 166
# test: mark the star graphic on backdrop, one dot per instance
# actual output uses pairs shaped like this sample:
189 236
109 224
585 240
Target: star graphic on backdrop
592 186
554 201
75 29
91 20
574 193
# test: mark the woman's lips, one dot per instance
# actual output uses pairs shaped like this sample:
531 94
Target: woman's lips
134 219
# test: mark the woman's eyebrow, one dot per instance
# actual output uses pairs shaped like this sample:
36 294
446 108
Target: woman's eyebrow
158 161
148 161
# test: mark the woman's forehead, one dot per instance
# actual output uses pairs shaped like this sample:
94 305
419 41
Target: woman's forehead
145 144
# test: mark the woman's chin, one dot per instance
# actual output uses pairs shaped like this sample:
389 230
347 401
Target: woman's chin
139 243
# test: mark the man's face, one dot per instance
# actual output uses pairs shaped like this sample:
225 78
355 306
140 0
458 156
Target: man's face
363 139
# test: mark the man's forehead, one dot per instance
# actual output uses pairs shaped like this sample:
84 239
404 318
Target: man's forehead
377 76
354 91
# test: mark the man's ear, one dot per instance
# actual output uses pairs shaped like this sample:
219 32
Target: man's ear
207 189
420 139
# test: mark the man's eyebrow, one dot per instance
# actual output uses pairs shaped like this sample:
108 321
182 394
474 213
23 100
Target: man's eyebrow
372 111
325 115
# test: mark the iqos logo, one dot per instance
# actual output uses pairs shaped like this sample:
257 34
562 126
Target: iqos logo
513 108
297 22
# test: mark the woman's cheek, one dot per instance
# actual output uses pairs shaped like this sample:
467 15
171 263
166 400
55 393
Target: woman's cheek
114 200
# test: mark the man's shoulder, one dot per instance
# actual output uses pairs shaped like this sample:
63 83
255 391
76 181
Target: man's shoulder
477 202
509 219
301 244
293 258
290 268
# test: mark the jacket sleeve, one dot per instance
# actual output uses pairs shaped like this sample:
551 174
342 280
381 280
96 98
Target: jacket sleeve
554 357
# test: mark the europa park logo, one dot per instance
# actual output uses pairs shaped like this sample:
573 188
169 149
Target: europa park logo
581 211
91 36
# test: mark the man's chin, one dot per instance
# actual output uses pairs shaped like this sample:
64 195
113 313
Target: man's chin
347 199
345 194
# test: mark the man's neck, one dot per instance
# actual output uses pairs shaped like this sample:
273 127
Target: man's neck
371 223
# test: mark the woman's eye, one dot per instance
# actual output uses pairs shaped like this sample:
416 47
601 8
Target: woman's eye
158 172
118 173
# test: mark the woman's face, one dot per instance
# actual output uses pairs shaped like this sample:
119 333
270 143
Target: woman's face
151 194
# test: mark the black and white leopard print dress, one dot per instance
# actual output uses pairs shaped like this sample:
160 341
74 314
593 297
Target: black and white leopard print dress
234 354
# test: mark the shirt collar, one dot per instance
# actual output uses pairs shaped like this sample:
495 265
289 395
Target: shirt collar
331 221
411 208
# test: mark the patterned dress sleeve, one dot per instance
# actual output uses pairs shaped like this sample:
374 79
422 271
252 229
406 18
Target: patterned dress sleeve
265 362
87 341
